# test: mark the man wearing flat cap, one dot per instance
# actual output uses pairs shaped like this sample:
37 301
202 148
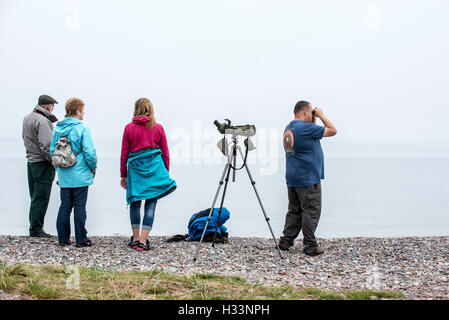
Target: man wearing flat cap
37 133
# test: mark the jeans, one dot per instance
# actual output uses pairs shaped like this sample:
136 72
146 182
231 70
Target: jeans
148 217
75 198
40 179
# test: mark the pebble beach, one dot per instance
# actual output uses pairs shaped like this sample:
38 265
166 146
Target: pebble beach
418 267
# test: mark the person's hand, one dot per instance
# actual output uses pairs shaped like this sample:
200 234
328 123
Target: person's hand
123 183
94 172
318 112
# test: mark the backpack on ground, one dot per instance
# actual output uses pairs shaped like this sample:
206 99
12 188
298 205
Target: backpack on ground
197 223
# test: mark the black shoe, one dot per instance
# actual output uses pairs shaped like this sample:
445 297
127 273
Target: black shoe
143 247
317 251
64 244
284 246
41 234
133 243
83 244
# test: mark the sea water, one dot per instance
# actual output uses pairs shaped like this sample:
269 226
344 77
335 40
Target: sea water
371 189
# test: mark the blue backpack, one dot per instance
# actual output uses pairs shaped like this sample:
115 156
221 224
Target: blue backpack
198 221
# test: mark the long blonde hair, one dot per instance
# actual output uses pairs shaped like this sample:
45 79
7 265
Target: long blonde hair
144 107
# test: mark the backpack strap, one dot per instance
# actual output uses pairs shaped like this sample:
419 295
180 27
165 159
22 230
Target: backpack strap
67 135
80 150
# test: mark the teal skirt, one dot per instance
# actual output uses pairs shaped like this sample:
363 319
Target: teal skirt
147 177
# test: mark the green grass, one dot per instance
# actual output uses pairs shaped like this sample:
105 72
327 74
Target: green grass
41 291
367 294
49 282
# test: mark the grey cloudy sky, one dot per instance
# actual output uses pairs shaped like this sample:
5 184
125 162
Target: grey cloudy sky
379 69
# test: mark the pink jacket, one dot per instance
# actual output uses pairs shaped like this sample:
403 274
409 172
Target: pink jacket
137 137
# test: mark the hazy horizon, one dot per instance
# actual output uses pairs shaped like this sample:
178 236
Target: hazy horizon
379 69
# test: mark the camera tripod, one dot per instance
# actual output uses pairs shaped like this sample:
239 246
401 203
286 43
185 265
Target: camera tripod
231 164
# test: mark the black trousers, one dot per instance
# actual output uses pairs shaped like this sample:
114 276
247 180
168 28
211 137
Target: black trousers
304 210
40 179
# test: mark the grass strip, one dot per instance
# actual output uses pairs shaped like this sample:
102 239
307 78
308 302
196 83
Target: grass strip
66 282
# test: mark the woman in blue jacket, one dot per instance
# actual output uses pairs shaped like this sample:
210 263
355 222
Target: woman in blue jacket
74 181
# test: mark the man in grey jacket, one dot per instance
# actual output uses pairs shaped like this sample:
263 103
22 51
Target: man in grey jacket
37 133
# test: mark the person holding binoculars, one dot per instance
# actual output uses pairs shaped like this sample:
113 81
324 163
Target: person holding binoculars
304 171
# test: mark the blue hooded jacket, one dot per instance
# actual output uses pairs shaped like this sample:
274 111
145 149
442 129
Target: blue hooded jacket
79 175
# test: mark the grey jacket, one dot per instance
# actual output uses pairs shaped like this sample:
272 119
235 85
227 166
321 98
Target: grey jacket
37 133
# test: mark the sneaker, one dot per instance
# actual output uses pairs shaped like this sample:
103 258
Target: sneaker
133 243
143 247
317 251
83 244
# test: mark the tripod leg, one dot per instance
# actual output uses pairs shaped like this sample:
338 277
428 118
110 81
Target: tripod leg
213 203
215 200
234 165
221 205
253 183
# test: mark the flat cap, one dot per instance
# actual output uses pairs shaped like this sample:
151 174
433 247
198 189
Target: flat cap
44 100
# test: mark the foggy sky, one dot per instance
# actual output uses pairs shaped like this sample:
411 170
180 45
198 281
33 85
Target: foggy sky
379 69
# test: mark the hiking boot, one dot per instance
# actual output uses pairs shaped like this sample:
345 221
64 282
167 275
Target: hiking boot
83 244
143 247
284 246
317 251
133 243
41 234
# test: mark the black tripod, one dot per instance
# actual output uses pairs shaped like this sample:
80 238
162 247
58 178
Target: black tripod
226 172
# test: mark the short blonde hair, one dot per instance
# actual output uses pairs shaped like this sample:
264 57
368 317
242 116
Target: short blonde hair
144 107
72 106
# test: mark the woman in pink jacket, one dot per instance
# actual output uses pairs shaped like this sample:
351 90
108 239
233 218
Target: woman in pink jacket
143 135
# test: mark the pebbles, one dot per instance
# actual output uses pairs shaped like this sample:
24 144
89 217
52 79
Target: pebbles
416 267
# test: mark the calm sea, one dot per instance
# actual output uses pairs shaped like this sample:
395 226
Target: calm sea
372 189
